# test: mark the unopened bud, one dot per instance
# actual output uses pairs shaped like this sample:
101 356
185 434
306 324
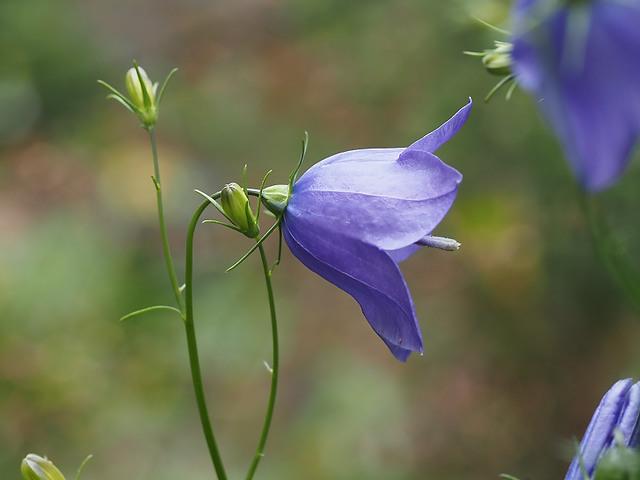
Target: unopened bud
275 198
35 467
135 86
497 61
142 94
237 208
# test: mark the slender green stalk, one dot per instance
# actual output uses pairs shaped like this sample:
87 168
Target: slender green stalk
611 254
192 345
166 249
275 368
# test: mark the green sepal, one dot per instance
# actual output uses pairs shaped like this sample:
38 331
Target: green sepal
153 308
255 247
619 463
164 84
294 174
82 465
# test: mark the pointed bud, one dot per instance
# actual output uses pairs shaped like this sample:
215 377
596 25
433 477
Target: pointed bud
35 467
497 61
142 94
276 198
236 206
135 87
143 97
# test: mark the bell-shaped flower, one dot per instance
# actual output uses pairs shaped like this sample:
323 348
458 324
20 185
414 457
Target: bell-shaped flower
580 58
353 216
615 420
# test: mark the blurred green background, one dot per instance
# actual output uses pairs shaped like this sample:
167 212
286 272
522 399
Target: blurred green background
523 328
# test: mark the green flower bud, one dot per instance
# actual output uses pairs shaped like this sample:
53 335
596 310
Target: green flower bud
276 198
619 463
497 61
35 467
135 87
235 205
142 94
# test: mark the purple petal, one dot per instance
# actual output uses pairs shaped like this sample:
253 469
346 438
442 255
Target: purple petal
527 67
401 254
585 71
441 135
389 197
400 353
366 273
599 434
368 194
629 424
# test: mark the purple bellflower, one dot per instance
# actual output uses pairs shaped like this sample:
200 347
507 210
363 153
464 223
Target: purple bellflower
581 59
616 417
352 217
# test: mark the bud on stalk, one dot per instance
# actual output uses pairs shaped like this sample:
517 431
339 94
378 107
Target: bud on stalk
35 467
235 205
142 93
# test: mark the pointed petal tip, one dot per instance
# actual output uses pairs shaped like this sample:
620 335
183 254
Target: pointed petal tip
366 273
441 135
403 355
402 352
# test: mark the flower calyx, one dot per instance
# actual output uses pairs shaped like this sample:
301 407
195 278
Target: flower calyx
275 198
619 463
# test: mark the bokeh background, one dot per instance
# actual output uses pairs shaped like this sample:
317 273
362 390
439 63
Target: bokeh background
524 330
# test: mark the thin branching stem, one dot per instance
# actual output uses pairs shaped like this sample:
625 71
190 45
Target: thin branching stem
274 369
166 249
192 346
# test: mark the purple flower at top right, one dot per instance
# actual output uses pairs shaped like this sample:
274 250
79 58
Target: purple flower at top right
581 59
618 414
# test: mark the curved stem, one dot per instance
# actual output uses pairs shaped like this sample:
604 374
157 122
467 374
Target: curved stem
274 369
166 249
192 345
611 253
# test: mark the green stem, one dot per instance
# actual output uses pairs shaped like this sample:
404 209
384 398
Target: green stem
166 250
274 368
192 345
610 252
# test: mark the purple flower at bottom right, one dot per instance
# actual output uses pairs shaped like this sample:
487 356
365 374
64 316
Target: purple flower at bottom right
581 60
615 419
